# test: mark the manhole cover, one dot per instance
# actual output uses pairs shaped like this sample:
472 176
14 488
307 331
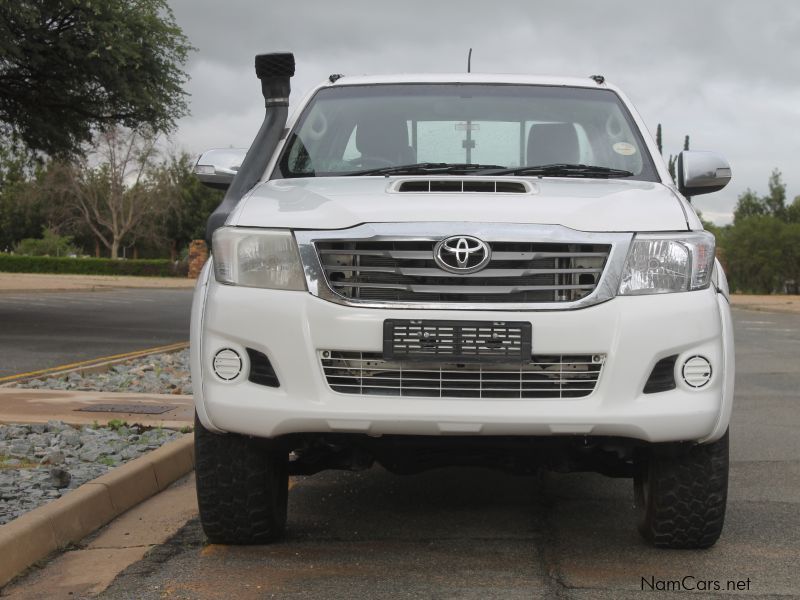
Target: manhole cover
137 409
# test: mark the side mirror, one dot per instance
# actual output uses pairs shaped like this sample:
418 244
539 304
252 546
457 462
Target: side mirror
702 172
217 168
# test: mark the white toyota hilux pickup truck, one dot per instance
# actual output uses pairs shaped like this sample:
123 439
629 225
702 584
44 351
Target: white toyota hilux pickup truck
430 270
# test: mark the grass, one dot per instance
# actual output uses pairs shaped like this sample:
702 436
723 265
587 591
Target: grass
23 463
116 424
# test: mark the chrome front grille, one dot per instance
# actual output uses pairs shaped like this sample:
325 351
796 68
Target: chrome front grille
546 376
531 267
518 272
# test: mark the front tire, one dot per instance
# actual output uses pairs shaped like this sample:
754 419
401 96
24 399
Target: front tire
681 498
242 487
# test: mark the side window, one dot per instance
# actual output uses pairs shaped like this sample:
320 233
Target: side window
350 150
491 142
585 148
496 143
439 141
298 159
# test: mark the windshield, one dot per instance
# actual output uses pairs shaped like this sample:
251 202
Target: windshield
474 128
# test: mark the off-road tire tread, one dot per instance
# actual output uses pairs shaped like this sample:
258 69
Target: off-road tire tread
687 499
242 487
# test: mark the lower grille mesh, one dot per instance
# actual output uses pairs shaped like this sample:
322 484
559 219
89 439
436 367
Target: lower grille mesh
546 376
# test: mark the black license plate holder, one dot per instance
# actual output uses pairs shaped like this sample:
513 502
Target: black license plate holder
457 341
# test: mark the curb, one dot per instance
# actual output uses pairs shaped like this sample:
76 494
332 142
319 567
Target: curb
67 520
97 365
785 310
76 282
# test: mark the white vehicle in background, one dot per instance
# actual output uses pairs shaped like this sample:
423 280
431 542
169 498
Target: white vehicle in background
433 270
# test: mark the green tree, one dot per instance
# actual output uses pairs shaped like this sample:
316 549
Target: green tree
50 244
658 139
190 203
748 205
672 161
761 250
793 211
21 209
790 249
775 201
69 67
773 204
114 190
754 254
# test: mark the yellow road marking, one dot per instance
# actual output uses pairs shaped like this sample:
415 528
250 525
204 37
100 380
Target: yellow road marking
93 361
212 549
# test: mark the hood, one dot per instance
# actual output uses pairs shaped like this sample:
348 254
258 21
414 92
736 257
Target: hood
581 204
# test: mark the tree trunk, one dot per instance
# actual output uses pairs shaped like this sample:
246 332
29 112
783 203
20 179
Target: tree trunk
115 248
96 248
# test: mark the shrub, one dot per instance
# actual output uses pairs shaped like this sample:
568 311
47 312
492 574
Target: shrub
50 244
11 263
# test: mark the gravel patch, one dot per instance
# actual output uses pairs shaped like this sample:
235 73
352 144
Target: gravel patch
39 463
166 373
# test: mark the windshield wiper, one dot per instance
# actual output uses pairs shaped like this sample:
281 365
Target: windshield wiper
565 170
426 168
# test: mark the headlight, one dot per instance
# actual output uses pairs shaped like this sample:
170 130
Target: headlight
263 258
664 263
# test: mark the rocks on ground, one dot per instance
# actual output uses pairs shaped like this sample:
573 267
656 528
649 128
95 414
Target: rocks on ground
39 463
166 373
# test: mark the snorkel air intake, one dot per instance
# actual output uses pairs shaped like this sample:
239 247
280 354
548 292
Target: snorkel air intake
274 70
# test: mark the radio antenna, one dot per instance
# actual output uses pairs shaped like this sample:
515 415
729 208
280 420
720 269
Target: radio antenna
469 61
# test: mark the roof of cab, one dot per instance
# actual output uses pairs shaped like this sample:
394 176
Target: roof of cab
494 78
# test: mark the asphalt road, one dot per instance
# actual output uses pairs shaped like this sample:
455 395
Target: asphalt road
471 533
39 330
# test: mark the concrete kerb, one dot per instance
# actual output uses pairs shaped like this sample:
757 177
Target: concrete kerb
69 519
23 283
98 365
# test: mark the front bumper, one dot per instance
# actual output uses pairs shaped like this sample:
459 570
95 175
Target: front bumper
633 332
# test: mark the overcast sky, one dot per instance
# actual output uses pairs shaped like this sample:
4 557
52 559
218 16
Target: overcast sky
725 72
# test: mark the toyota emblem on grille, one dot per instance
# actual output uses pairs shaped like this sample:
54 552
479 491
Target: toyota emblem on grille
462 254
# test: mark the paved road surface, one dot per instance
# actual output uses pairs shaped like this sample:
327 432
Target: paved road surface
39 330
471 533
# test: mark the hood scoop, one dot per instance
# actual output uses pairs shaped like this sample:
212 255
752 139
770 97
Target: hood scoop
469 185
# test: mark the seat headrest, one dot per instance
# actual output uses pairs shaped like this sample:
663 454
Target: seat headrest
550 143
382 135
